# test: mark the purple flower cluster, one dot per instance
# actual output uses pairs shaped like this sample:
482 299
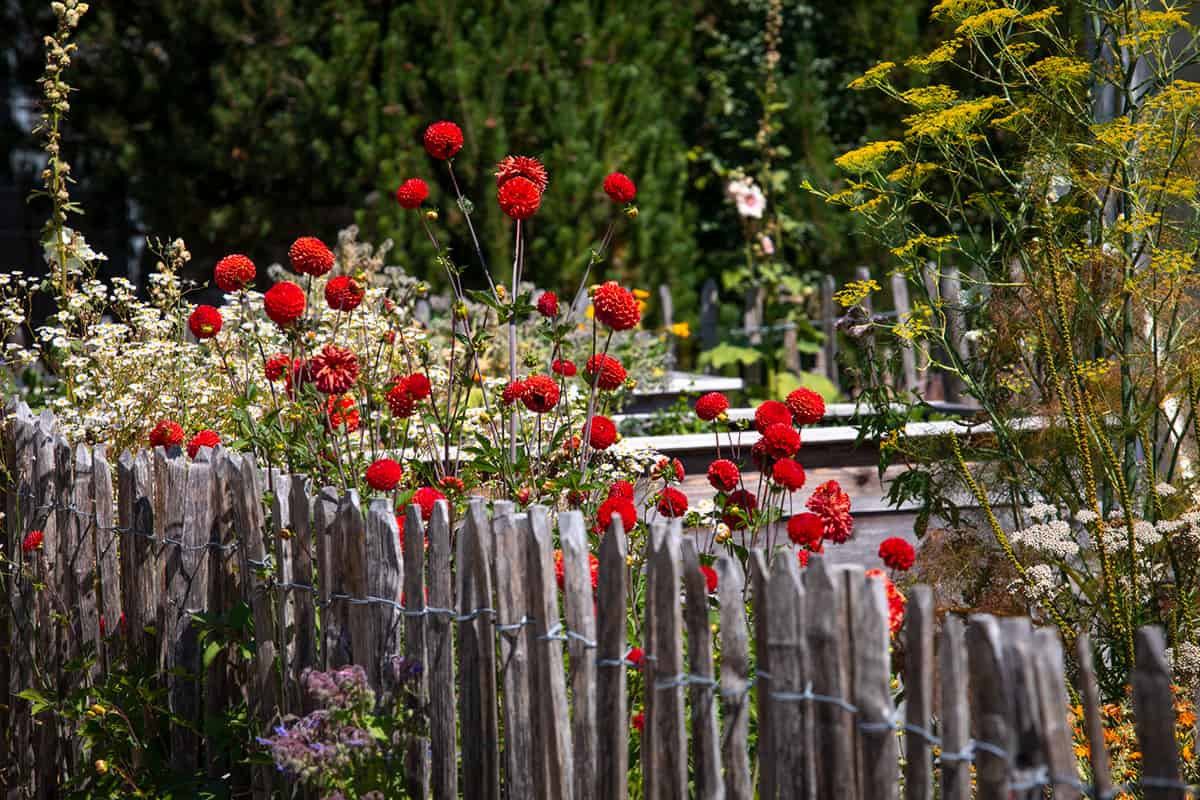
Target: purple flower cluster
344 689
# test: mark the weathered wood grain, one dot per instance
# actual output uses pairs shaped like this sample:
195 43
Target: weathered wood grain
1154 716
788 747
611 712
512 609
991 705
956 725
702 699
477 653
735 683
579 606
1052 699
669 735
324 514
879 774
107 547
918 692
416 759
1089 694
760 580
304 652
828 649
440 646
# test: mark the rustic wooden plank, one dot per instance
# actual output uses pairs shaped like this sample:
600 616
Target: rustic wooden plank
552 724
908 358
107 548
47 571
511 612
828 650
847 578
579 606
955 717
304 650
735 683
164 507
440 645
702 700
710 315
416 759
1089 694
829 349
280 488
218 683
878 762
670 732
955 328
21 641
788 747
141 582
918 692
650 751
262 694
350 582
384 587
991 705
189 590
477 671
1028 766
760 581
1052 699
611 720
1154 716
324 514
170 495
85 602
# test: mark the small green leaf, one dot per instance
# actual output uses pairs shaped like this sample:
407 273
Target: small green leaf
210 653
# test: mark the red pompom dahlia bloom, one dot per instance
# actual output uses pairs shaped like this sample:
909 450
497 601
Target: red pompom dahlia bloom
620 188
710 578
276 366
541 394
788 474
418 385
412 193
205 322
603 433
167 433
771 412
526 167
564 367
723 475
711 405
513 392
833 506
547 304
205 438
334 369
384 474
806 405
284 303
612 374
672 502
341 411
616 507
343 293
425 498
806 529
310 256
781 441
621 489
32 541
897 554
234 273
443 140
519 198
616 307
895 599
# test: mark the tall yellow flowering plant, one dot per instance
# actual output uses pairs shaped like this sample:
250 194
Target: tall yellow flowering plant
1050 160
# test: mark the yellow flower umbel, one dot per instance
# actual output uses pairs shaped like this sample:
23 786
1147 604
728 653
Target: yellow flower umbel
855 292
681 329
869 157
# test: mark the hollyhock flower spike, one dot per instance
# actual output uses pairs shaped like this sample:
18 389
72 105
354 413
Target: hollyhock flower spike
284 303
310 256
167 433
620 188
711 406
615 307
205 322
412 193
234 273
526 167
897 554
519 198
443 140
205 438
384 474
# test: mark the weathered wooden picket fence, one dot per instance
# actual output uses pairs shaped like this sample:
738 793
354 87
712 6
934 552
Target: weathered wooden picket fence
524 689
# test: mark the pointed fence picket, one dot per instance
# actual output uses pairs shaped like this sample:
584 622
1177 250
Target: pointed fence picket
505 647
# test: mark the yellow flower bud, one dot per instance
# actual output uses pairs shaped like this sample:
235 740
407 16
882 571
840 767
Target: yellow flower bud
431 215
101 766
285 534
99 710
629 561
501 293
631 212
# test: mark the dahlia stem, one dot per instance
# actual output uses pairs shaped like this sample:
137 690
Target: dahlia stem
591 409
512 340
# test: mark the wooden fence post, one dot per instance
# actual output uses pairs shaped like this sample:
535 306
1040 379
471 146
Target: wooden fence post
304 654
991 705
669 736
908 358
1027 763
760 594
512 626
384 576
579 606
955 329
84 604
735 684
827 652
702 700
477 651
710 315
1089 693
952 661
879 771
439 645
1052 699
416 759
790 743
46 483
918 692
1154 717
611 716
323 520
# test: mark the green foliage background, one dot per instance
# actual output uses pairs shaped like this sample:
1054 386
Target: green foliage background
241 125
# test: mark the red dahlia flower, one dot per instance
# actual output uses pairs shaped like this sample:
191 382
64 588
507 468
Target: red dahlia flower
167 433
400 401
541 394
276 366
781 441
334 369
771 412
802 556
560 571
621 507
896 601
234 273
897 554
425 497
621 489
711 405
310 256
620 188
762 457
343 293
833 505
513 392
525 167
603 434
672 502
341 411
564 367
616 307
788 474
384 474
806 405
710 578
739 509
519 198
639 721
412 193
806 529
205 438
32 541
205 322
418 385
723 475
443 139
284 303
634 656
547 304
453 483
669 470
612 374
